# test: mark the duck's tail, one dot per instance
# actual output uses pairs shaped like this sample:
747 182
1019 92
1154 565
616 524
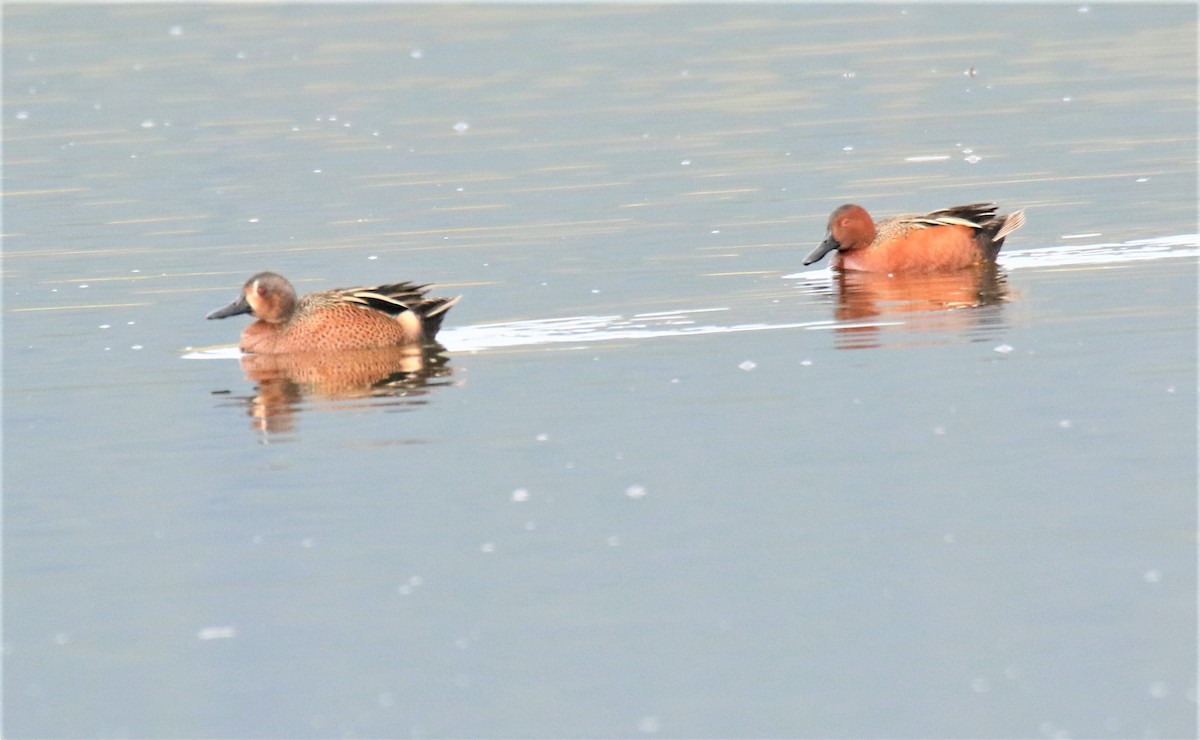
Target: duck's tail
993 232
432 311
1009 224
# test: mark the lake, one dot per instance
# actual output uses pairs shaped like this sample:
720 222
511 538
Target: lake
661 480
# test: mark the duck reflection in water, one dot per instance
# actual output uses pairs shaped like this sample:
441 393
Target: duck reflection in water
928 303
340 344
388 376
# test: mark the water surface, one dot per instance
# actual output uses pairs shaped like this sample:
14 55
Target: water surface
662 480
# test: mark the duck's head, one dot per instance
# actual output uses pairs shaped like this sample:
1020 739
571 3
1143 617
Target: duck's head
850 227
267 296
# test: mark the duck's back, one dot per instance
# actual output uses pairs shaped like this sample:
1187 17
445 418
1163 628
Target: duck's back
325 322
949 239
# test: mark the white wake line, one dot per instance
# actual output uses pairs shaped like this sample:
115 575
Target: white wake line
1186 245
658 324
585 329
1105 253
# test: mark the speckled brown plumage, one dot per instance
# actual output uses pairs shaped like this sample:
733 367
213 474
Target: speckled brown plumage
342 319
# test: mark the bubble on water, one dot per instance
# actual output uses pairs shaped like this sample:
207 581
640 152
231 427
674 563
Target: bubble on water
22 115
148 123
1152 576
686 162
1142 179
462 126
217 633
1065 424
136 347
175 30
806 363
973 159
106 326
416 53
488 547
1003 348
542 437
848 148
635 491
747 365
521 494
649 725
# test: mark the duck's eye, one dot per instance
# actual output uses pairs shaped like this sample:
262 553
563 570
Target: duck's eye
260 290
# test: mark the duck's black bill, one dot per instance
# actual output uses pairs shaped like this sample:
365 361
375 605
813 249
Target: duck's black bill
826 247
233 309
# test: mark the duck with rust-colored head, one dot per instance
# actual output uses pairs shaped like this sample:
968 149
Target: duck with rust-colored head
950 239
331 320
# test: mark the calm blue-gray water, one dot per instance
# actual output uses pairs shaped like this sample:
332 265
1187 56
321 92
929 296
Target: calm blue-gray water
663 481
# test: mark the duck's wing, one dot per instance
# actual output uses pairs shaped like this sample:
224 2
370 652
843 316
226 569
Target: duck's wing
396 298
974 215
392 299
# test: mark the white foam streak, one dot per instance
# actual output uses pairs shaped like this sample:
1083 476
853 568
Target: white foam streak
578 330
1136 250
1105 253
681 323
585 329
